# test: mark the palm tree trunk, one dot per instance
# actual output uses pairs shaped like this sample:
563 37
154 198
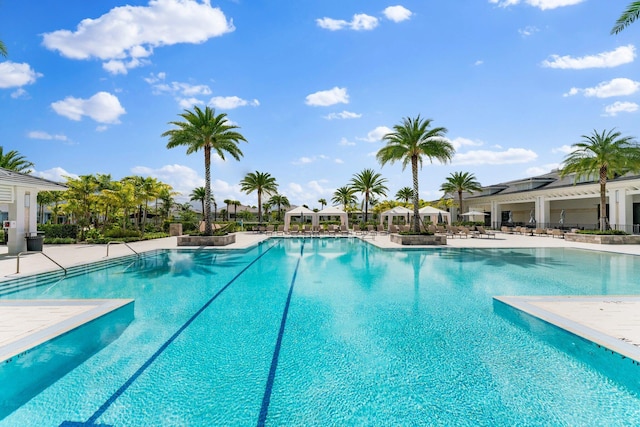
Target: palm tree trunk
207 190
603 199
460 204
416 198
259 207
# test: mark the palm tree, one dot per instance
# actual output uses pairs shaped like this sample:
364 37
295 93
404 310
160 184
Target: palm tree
228 202
409 142
346 196
627 18
199 194
235 204
261 183
208 131
280 201
3 49
323 203
14 161
458 182
369 183
606 155
404 194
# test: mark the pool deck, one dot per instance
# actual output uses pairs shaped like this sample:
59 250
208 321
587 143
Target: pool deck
611 321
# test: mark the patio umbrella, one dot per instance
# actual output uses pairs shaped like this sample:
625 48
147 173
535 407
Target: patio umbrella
532 220
439 218
561 217
474 213
510 217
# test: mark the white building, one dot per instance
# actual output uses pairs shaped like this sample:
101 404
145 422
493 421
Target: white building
550 201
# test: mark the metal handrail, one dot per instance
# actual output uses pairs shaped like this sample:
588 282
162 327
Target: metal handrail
37 252
124 243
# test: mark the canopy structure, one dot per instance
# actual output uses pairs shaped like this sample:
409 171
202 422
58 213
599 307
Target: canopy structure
435 214
330 211
474 213
397 211
301 212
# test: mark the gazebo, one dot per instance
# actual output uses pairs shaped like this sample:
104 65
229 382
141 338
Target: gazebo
433 213
19 191
302 212
333 211
396 211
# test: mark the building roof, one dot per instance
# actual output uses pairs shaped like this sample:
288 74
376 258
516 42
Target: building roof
13 178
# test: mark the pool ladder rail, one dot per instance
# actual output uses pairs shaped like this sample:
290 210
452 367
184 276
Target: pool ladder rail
37 252
124 243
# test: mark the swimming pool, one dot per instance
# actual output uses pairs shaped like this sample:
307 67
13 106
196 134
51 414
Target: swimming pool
336 332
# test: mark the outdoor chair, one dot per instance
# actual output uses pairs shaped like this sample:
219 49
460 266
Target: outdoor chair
280 230
393 229
294 229
381 229
482 232
269 229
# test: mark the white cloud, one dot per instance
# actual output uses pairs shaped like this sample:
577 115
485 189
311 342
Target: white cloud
540 4
615 87
231 102
528 31
13 74
376 134
486 157
305 160
102 107
19 93
397 13
134 31
309 193
188 103
359 22
339 161
614 58
478 62
620 107
345 141
465 142
564 149
56 174
325 98
46 136
343 115
541 170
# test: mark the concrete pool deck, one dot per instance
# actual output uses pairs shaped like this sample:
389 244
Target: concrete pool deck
572 314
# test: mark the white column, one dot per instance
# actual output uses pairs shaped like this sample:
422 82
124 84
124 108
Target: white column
620 209
543 210
16 242
496 213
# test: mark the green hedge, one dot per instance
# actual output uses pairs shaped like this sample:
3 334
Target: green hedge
607 232
61 231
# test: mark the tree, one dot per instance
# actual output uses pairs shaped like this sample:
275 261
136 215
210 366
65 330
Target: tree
280 201
404 194
261 183
80 196
410 142
227 202
344 196
199 194
369 183
323 203
627 18
207 131
235 204
458 182
3 49
14 161
605 155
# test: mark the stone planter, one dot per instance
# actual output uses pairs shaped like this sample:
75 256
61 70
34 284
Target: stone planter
603 239
206 240
175 229
409 239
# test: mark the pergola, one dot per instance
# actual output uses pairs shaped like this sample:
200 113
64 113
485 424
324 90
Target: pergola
301 212
19 191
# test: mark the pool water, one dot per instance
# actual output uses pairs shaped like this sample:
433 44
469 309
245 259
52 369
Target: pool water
338 332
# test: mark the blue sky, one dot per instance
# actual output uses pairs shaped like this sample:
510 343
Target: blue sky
90 86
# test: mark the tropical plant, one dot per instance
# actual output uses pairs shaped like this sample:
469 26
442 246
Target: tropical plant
235 204
3 49
199 194
261 183
14 161
369 183
81 195
207 131
605 155
227 202
323 203
345 196
459 182
404 194
410 142
627 18
280 201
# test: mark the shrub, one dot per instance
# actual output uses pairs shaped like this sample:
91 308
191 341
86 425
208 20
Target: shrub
59 230
120 233
59 241
607 232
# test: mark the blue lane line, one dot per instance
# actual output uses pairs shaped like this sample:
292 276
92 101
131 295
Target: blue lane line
91 421
266 399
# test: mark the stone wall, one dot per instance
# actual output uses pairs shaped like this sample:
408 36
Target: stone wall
603 239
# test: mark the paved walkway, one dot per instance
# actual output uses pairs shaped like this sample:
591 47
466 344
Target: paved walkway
620 324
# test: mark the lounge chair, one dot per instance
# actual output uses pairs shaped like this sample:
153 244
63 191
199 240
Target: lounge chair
280 230
269 229
316 230
371 230
557 233
482 232
307 230
331 229
356 229
393 229
540 232
380 229
344 230
294 230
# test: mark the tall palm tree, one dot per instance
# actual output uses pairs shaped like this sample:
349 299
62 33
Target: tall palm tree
261 183
3 49
369 183
228 202
323 203
14 161
199 194
627 18
404 194
235 204
207 131
606 155
346 196
410 142
280 201
458 182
